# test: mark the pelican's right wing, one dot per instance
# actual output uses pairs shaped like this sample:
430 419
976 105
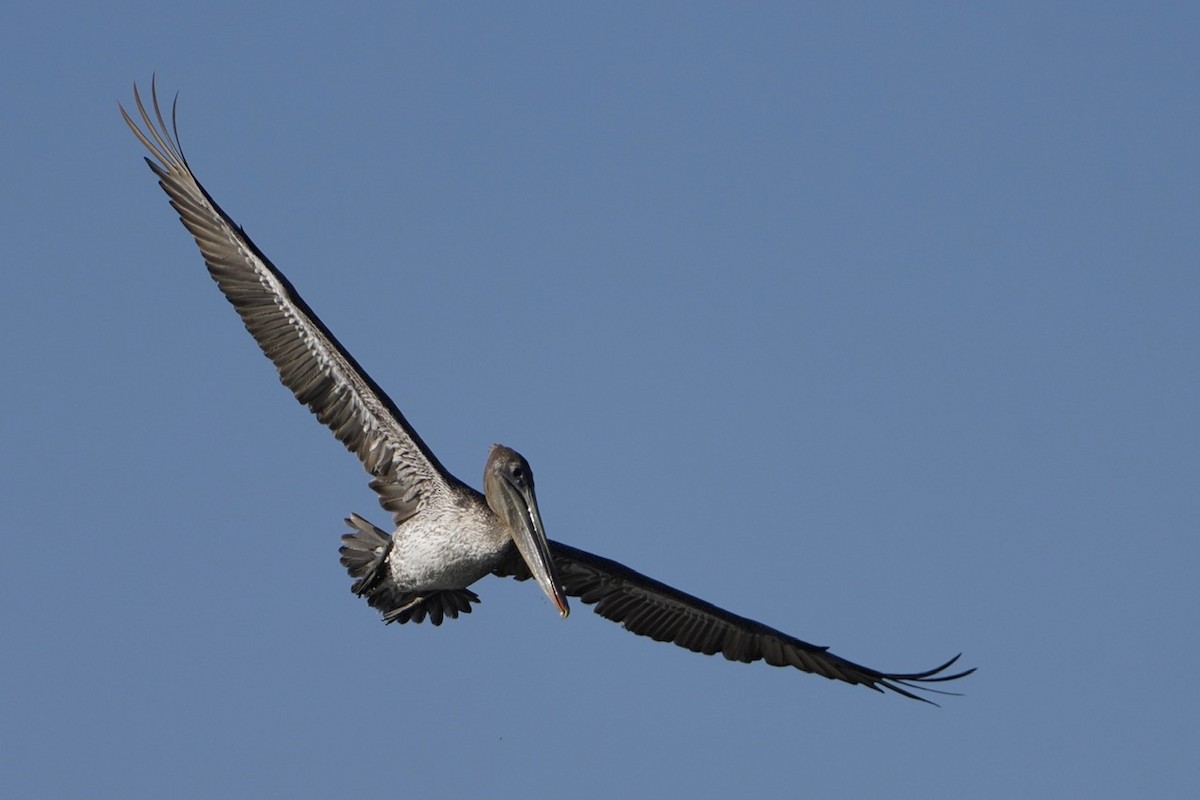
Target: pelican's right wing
311 362
647 607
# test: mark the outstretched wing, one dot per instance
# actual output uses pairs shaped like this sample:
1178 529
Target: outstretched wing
311 362
646 607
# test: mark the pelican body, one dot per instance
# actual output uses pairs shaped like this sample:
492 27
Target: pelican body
426 564
446 535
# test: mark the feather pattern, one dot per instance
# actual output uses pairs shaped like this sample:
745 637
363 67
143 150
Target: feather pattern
650 608
310 360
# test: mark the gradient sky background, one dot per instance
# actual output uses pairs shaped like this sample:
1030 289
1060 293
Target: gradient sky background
877 324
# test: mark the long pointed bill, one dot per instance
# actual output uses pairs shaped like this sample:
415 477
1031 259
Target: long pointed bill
530 538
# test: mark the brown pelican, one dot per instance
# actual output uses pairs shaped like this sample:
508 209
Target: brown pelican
448 535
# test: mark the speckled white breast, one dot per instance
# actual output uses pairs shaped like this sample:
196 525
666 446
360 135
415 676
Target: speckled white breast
446 548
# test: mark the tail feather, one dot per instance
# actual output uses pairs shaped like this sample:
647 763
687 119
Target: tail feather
364 554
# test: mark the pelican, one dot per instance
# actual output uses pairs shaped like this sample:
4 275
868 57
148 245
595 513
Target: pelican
447 535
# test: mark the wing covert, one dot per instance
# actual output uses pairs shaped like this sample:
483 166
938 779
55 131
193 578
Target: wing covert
310 360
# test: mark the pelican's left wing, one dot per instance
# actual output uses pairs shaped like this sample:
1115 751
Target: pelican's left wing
311 362
647 607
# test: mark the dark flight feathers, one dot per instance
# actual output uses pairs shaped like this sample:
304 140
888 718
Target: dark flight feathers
650 608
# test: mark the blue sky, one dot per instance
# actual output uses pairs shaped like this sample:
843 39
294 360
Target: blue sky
876 323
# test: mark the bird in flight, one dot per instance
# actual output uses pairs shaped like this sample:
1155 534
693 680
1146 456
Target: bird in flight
447 535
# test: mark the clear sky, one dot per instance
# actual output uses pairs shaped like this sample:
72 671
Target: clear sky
877 324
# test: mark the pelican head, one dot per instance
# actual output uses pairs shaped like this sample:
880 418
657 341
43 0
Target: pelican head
508 486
